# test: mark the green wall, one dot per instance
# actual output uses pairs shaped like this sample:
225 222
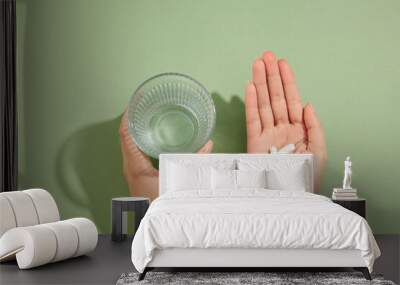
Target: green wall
80 61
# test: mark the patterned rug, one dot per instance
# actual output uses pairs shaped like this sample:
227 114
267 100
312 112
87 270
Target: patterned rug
269 278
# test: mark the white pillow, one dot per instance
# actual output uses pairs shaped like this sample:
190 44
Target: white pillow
223 179
294 179
251 178
282 173
181 178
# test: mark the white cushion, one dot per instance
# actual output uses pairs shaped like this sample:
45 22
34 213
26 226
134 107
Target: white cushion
7 218
26 208
23 208
223 179
87 233
181 177
46 207
33 246
251 178
67 239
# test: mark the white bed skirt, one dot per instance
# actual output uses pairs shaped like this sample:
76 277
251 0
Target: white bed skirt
236 257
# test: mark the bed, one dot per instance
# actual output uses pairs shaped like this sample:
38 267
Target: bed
246 211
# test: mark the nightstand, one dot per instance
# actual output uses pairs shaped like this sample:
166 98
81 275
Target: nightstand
120 207
358 206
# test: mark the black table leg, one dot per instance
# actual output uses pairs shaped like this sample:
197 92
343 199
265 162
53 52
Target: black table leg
117 221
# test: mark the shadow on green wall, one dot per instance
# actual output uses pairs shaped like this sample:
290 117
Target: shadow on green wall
230 130
89 170
89 163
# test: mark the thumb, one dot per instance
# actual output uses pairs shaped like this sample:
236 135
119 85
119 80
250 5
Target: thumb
315 133
310 118
207 148
316 142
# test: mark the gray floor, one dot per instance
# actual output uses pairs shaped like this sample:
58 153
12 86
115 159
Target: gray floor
389 262
103 266
110 260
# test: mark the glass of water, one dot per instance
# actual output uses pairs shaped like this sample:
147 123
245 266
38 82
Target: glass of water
171 113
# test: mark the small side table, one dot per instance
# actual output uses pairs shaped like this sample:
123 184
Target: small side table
120 207
358 206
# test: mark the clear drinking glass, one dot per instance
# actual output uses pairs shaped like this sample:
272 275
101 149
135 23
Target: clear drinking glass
171 113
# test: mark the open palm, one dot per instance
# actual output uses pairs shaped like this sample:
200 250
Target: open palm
275 115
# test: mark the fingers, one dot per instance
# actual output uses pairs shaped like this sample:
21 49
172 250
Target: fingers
126 141
124 122
301 148
207 148
260 83
128 146
293 101
315 133
253 122
275 89
135 162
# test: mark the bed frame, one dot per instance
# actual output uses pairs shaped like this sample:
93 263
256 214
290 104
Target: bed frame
244 259
260 259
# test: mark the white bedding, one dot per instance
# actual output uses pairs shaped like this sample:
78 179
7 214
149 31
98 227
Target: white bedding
251 218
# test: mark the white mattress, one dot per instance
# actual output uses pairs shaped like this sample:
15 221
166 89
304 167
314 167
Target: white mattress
250 219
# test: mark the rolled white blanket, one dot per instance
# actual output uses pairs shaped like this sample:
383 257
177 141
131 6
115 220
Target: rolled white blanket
40 244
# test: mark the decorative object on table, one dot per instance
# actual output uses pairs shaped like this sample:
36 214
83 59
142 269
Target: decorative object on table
346 192
171 113
120 207
31 231
347 174
357 206
248 278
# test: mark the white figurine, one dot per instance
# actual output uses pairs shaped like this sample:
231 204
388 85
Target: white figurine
347 174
